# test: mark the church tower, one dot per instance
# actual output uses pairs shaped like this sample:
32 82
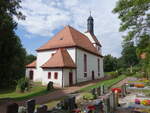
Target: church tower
90 33
90 25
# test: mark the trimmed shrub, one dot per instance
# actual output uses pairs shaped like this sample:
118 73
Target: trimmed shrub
23 85
50 86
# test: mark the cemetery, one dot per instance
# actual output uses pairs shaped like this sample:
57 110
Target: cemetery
99 99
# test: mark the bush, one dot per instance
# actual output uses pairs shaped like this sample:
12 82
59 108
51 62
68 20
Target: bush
112 74
121 71
23 85
88 96
50 86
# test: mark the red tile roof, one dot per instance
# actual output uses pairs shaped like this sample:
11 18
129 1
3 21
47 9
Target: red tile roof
60 59
31 65
69 37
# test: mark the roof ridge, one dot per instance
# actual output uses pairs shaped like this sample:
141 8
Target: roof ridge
69 28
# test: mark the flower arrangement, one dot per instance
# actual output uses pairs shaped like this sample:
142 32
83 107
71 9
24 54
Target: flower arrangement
146 102
139 85
118 90
91 107
137 101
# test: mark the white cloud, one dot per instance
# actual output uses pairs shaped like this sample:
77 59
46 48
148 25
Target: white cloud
43 17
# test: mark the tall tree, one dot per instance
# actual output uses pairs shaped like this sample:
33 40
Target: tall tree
110 63
12 54
129 56
135 19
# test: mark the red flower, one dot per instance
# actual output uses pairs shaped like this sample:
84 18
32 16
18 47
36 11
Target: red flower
91 107
118 90
76 111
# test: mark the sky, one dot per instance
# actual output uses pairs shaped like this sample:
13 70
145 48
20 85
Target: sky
44 18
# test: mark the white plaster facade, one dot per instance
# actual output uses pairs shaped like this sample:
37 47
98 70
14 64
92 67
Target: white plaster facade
63 73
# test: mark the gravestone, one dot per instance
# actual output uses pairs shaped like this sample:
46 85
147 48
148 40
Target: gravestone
42 109
69 103
123 92
30 104
105 89
99 91
112 102
116 95
105 105
126 89
12 108
93 91
102 89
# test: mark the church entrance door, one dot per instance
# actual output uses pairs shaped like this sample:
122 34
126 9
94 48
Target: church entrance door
93 76
70 78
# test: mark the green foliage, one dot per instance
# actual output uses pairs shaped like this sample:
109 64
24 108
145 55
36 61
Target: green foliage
110 63
30 58
129 57
23 85
12 53
88 96
50 86
134 17
112 74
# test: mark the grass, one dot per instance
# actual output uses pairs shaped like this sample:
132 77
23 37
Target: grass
107 83
34 91
52 103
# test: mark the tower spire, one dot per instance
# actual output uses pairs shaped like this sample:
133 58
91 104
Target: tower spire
90 24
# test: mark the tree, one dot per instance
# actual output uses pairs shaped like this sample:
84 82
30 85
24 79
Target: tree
110 63
135 19
12 54
134 16
30 58
129 56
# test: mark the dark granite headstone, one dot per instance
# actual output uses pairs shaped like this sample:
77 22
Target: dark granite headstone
30 104
99 91
12 108
42 109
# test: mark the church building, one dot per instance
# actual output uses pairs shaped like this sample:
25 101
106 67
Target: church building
68 58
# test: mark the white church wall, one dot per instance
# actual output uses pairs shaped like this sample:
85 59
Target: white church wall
66 76
57 82
89 37
42 57
101 67
92 65
34 73
72 53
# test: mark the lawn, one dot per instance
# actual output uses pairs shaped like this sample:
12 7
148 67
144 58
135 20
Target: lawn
34 91
107 83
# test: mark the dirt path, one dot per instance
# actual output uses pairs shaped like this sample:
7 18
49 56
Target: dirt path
119 84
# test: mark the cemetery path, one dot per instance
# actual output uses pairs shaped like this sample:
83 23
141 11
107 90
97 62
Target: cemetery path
119 84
